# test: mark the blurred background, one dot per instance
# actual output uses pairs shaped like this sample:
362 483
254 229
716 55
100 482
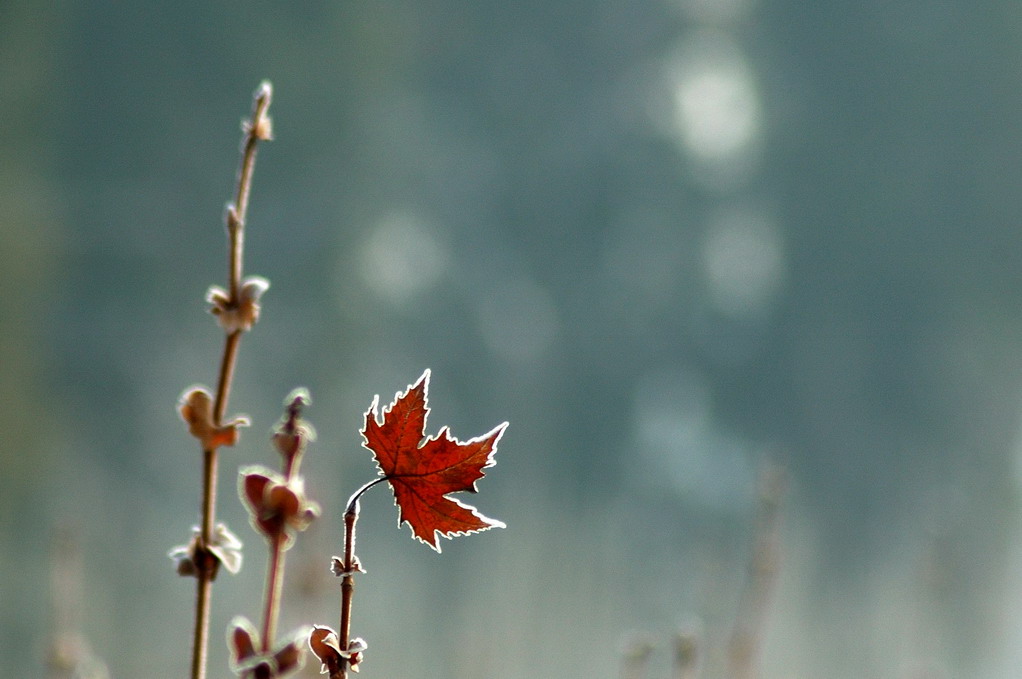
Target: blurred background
671 241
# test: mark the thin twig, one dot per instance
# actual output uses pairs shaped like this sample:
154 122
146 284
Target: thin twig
255 130
686 655
350 565
347 585
636 658
69 654
275 572
274 582
748 632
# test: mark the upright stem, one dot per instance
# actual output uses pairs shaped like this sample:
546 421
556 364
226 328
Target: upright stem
636 660
223 388
351 565
347 583
686 656
763 567
275 574
257 129
274 582
205 566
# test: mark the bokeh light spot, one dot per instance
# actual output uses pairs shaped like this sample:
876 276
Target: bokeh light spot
518 320
717 115
402 257
743 260
680 443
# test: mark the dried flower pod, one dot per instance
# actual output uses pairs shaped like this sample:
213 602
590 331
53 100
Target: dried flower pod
196 409
243 314
326 646
278 507
243 640
225 547
337 566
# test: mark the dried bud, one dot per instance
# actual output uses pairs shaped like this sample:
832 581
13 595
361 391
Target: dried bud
184 559
292 432
291 655
262 127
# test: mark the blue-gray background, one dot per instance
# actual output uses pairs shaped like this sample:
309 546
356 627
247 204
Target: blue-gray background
668 240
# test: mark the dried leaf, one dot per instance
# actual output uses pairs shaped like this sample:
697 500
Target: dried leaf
423 473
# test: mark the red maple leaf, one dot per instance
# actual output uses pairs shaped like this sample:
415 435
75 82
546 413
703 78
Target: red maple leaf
423 472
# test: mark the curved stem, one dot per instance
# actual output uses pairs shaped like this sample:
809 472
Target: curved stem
352 505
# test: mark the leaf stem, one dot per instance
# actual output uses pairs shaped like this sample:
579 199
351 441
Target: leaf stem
352 505
255 130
